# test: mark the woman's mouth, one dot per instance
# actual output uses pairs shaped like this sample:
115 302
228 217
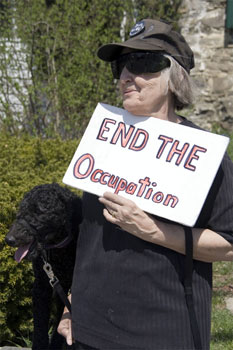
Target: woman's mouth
129 91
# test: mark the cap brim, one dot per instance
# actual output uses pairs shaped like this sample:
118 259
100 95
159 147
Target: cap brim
110 52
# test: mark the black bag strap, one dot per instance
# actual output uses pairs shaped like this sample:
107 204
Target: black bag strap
188 272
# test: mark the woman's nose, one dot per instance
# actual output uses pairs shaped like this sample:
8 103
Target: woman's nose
126 75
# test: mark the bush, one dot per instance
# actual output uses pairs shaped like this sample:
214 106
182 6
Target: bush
24 163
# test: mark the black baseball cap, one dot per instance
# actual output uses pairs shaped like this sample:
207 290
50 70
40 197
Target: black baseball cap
152 35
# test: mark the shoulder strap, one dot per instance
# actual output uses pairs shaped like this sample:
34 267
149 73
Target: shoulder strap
58 288
188 272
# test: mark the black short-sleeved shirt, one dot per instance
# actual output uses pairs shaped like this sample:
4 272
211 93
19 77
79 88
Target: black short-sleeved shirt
128 293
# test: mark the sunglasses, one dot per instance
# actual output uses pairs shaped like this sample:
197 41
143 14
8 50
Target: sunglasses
139 63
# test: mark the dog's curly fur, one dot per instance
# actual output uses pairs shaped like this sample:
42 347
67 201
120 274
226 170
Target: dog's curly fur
47 214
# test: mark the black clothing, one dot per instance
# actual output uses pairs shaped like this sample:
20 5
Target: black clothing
128 293
81 346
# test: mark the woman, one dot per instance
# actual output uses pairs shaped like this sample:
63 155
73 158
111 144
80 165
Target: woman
128 285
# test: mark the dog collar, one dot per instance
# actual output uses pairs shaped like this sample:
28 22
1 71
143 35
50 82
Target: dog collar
61 244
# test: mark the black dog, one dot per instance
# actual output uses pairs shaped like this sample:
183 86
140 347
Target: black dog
46 227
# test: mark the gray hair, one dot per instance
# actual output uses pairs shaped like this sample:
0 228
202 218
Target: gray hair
180 84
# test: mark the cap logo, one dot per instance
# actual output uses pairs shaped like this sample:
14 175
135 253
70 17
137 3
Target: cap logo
138 28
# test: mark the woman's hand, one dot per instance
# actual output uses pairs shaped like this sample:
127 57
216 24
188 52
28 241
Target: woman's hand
126 214
208 245
65 325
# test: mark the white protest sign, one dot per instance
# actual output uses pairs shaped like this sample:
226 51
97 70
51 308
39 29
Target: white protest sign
165 168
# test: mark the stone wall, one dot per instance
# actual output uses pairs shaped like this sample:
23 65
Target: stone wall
203 26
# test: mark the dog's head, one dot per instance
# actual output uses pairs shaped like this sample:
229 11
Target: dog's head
48 215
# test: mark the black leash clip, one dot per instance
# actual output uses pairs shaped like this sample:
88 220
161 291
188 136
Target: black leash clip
55 284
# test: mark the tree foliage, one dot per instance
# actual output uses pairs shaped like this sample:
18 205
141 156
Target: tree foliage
51 78
167 10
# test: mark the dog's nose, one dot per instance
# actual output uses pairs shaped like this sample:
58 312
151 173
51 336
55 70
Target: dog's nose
10 241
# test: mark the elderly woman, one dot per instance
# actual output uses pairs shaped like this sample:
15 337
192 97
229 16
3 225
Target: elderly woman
131 288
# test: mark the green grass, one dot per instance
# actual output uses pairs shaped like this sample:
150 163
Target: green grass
222 319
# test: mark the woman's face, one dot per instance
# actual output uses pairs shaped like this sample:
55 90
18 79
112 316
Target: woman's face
145 94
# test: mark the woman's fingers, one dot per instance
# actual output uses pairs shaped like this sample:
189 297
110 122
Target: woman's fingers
65 327
115 199
114 202
128 216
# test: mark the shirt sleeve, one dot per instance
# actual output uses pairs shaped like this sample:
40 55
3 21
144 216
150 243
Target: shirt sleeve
217 212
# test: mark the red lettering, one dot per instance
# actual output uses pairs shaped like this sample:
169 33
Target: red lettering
104 128
131 188
113 181
192 155
165 140
102 179
157 197
93 175
174 150
79 162
121 186
144 183
170 197
148 193
125 137
135 139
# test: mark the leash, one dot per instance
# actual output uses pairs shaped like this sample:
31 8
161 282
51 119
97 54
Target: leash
188 272
55 284
53 280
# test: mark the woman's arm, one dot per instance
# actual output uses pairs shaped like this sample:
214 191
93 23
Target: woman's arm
208 246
